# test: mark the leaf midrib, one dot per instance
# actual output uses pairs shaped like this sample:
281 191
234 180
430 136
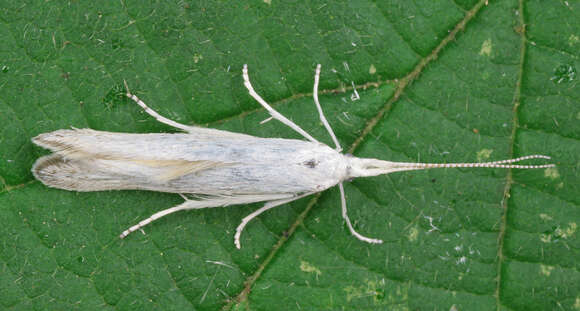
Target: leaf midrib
509 176
402 85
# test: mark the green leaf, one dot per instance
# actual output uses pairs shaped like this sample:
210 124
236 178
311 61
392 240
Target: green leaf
439 81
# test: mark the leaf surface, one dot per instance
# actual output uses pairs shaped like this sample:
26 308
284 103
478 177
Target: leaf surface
438 81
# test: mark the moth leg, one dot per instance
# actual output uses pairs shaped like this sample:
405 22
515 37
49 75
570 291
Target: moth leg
349 224
256 213
199 204
188 204
155 115
320 113
275 114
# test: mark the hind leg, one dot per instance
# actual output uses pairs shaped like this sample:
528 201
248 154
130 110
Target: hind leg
199 204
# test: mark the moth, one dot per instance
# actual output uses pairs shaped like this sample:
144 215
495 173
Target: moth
214 168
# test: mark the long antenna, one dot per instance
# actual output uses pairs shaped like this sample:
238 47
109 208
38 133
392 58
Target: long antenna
360 167
494 164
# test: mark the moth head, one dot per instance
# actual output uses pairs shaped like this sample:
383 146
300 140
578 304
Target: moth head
363 167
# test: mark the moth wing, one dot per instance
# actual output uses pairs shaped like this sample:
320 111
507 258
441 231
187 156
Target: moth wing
84 143
88 174
173 169
88 160
57 172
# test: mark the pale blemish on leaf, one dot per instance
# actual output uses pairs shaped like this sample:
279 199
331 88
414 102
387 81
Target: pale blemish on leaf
396 298
560 233
566 232
197 57
461 260
486 48
483 155
413 234
546 238
268 2
551 172
356 292
577 303
372 69
564 73
545 216
309 268
573 40
546 270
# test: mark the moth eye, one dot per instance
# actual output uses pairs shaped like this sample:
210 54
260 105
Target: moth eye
310 163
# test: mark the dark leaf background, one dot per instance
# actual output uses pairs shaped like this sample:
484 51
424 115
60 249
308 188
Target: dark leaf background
439 81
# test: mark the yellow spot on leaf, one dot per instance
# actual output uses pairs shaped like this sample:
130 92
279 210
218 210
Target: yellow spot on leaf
567 232
268 2
545 216
372 69
560 233
307 267
551 172
393 296
546 270
413 234
197 57
483 155
486 48
546 238
573 39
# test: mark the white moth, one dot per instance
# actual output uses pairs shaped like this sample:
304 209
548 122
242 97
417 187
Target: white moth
215 168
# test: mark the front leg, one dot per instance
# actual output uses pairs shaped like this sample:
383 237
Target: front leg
275 114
